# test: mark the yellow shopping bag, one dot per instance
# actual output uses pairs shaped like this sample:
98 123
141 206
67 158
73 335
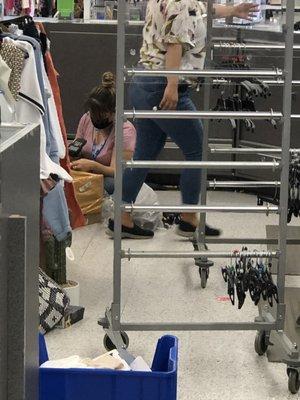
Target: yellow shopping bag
88 191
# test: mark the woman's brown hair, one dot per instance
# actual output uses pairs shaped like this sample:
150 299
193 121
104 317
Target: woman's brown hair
102 99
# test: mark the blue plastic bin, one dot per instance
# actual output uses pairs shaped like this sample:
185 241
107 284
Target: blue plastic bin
87 384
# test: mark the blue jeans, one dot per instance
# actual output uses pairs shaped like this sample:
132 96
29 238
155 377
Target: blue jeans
147 92
109 184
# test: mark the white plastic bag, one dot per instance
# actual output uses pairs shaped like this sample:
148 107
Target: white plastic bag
145 219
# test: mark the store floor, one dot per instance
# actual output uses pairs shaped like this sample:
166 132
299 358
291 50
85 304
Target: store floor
212 365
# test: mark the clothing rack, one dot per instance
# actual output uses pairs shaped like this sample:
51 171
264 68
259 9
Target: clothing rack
265 323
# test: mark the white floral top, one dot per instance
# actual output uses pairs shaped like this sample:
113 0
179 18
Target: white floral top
174 21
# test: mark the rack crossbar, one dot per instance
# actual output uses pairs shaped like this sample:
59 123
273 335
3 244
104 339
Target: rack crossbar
129 254
204 115
185 208
249 150
252 46
209 73
203 164
242 184
219 240
276 82
209 326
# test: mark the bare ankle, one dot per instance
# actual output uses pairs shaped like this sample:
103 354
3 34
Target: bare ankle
191 218
127 220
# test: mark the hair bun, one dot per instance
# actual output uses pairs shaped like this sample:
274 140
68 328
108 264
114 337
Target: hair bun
108 80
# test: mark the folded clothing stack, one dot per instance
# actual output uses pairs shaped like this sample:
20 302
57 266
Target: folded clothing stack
110 360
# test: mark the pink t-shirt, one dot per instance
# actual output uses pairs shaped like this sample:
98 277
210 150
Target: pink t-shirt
86 131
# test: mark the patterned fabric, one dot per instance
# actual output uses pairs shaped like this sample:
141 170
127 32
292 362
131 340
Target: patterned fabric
174 21
53 303
14 58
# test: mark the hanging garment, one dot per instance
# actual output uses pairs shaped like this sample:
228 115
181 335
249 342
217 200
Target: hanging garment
76 216
51 142
14 58
5 72
47 7
55 130
8 7
18 7
30 108
55 147
55 212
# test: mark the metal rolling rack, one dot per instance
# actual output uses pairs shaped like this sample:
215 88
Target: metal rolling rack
265 323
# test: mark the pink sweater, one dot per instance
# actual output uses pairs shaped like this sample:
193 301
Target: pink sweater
86 131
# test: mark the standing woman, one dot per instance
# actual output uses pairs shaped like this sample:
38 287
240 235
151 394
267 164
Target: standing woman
174 37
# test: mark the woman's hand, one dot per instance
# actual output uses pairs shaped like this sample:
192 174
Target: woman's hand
83 165
245 11
170 99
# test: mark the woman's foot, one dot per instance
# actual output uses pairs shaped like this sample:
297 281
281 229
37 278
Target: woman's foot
134 232
210 231
188 230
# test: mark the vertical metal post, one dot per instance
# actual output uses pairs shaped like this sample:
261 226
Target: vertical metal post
285 156
116 306
201 228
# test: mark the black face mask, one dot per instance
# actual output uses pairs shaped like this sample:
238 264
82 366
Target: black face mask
103 124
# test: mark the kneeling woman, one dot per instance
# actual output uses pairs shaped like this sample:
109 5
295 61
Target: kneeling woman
97 127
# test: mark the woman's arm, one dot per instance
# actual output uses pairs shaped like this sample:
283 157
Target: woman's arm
243 11
81 127
127 156
97 168
173 61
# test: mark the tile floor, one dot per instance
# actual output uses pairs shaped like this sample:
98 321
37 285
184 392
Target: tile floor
213 365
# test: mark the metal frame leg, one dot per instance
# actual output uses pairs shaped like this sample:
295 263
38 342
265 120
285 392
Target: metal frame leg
199 240
113 316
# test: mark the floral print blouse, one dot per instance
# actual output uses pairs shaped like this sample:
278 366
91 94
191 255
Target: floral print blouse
174 21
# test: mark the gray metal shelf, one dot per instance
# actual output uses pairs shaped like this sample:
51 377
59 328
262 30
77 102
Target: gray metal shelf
19 253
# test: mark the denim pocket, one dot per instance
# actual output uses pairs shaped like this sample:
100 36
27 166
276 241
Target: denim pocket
145 97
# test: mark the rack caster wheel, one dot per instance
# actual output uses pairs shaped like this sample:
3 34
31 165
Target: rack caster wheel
108 344
294 381
261 343
204 274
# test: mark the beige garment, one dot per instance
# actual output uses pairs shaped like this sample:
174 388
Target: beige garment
104 361
5 72
14 58
174 21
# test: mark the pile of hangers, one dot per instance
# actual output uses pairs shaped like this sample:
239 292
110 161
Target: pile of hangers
250 275
294 188
245 101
